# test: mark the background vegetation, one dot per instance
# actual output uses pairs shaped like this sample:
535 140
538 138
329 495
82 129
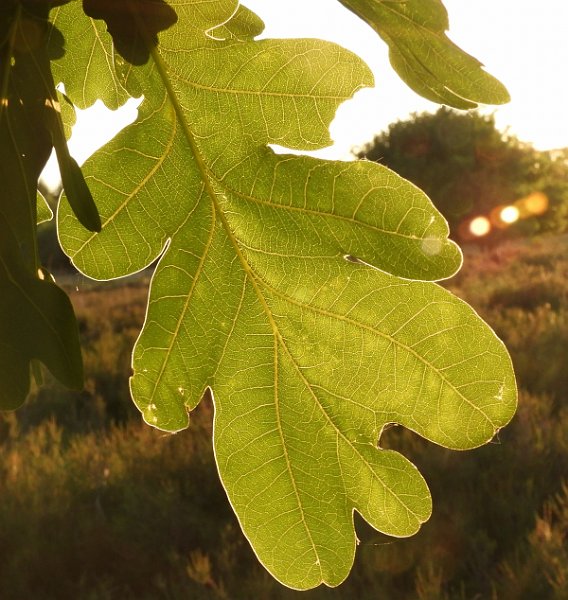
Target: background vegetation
97 505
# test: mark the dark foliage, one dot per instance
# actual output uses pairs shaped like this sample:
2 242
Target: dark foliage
133 24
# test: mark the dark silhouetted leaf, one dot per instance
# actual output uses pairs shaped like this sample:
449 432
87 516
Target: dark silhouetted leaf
36 322
36 318
133 24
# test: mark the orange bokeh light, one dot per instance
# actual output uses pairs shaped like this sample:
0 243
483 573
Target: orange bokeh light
536 203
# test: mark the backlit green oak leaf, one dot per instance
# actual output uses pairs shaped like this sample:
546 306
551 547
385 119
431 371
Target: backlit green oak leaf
259 294
278 204
44 212
428 360
87 65
424 57
308 360
300 207
278 91
151 179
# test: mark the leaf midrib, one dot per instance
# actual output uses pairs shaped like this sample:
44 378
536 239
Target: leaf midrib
252 277
203 169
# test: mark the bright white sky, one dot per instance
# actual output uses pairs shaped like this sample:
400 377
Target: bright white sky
522 42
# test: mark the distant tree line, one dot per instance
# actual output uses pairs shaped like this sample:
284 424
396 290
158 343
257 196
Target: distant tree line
469 168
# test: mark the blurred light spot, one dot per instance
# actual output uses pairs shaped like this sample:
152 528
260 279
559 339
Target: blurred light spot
509 214
536 203
480 226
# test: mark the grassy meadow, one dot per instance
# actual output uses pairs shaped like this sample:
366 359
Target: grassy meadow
96 505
